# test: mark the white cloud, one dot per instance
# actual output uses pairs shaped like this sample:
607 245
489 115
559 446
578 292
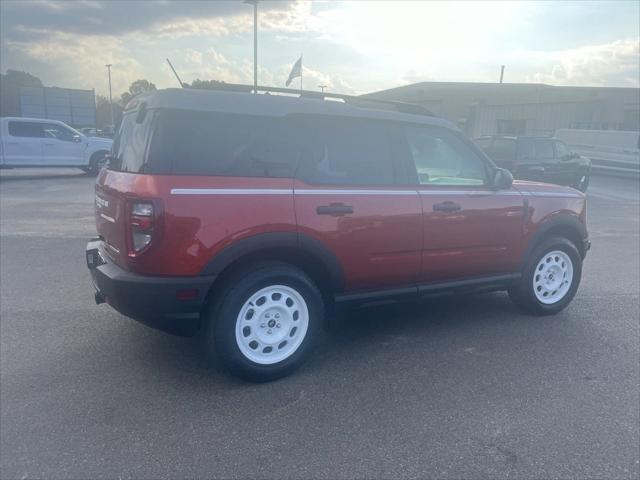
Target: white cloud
596 65
83 59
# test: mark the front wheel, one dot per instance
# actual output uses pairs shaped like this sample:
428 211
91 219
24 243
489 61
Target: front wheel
266 321
550 278
98 160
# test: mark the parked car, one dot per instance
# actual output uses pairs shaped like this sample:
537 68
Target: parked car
542 159
31 142
252 218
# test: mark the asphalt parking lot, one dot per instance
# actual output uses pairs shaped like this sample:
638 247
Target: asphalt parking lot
447 388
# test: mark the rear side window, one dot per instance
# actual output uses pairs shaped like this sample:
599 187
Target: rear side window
346 151
221 144
26 129
526 150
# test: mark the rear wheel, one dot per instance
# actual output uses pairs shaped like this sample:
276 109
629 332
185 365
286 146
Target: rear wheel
266 321
550 278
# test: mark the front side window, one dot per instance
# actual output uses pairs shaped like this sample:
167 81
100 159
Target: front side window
442 158
501 149
544 149
26 129
561 149
346 151
59 132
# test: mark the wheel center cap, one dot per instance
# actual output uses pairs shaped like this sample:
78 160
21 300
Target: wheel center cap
271 323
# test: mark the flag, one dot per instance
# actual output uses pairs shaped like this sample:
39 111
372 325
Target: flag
296 71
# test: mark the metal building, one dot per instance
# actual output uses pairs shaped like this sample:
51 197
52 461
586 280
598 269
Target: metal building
74 107
523 109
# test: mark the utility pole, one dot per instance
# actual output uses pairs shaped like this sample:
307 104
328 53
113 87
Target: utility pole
109 65
255 42
322 87
501 73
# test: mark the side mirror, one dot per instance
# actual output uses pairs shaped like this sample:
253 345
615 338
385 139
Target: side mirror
77 138
502 180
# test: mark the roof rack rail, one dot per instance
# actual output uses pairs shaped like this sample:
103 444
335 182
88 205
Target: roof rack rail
363 102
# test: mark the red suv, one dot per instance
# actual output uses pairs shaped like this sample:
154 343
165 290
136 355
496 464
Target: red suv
251 217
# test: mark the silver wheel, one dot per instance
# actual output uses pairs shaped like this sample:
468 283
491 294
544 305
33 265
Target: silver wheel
272 324
552 277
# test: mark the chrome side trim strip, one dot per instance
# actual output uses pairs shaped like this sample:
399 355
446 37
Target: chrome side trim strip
108 218
337 191
231 191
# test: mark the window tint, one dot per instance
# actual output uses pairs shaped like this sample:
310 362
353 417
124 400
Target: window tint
26 129
345 151
442 158
561 149
502 149
544 149
483 143
205 143
53 130
130 143
526 150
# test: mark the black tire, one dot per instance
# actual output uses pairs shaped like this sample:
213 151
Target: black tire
582 186
523 293
222 316
96 163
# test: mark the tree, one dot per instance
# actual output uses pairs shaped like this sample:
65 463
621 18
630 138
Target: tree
136 88
103 112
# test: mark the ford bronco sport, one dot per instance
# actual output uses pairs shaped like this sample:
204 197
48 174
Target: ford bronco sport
250 218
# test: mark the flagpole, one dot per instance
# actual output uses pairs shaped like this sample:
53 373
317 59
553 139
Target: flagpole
300 74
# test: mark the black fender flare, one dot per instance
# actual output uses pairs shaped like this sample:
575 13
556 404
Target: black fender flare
291 241
562 221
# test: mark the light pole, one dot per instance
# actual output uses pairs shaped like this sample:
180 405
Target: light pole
322 87
255 42
109 65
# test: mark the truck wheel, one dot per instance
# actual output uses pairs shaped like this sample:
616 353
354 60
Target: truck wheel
265 322
583 184
98 160
549 279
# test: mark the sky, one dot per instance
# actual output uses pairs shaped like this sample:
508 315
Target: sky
352 47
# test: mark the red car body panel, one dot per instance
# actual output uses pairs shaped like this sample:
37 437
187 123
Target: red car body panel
195 227
379 245
482 238
393 238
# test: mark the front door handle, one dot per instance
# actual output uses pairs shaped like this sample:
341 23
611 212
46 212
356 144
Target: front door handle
335 209
446 207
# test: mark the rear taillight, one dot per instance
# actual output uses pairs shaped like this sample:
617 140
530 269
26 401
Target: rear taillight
143 225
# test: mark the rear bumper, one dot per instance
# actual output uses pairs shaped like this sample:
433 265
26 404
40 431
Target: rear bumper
171 304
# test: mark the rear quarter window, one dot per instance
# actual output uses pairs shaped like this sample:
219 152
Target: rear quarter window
130 144
222 144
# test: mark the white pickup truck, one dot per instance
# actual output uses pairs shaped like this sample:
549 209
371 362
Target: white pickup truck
32 142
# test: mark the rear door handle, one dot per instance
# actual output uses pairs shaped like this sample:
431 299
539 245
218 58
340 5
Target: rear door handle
334 209
446 207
